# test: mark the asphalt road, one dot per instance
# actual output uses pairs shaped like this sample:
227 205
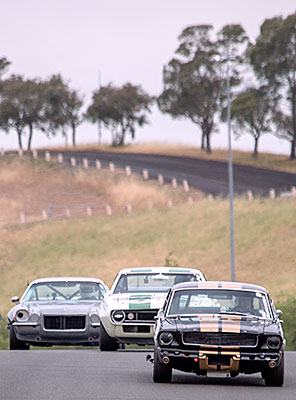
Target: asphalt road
90 374
208 176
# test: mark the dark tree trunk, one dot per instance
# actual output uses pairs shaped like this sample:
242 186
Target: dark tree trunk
255 152
73 135
19 134
99 132
293 143
30 136
202 140
209 150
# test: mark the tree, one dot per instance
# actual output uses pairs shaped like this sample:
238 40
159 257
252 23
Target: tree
273 59
120 109
251 111
62 108
4 63
194 81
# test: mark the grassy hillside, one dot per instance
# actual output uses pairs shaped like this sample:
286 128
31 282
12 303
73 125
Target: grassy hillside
198 236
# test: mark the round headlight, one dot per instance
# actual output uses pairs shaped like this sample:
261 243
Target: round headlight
165 338
274 342
34 317
118 316
94 318
22 315
130 316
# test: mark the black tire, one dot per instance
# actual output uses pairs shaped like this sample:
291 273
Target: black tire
14 343
161 373
275 376
107 343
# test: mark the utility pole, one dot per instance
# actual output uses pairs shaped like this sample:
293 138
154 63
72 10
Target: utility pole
99 122
230 170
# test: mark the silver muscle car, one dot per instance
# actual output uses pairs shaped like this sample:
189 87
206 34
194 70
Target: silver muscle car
57 311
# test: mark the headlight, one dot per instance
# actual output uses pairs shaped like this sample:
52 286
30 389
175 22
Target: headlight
130 316
118 316
34 317
22 316
165 338
94 318
274 342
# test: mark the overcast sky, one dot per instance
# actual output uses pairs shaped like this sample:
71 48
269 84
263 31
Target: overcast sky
122 41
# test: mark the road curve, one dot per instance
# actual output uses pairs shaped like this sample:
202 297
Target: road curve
206 175
90 374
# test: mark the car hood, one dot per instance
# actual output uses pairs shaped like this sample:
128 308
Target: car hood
58 308
136 301
224 324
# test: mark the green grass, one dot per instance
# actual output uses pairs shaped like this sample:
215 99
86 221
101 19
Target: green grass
196 236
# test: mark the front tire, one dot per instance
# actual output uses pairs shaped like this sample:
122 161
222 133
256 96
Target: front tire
14 343
161 373
275 376
107 343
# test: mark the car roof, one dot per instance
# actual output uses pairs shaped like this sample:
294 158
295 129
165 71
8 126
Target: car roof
67 278
172 270
219 285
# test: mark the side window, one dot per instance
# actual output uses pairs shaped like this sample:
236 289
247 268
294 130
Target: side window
102 291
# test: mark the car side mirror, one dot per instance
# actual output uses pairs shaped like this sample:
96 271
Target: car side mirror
279 313
160 314
15 299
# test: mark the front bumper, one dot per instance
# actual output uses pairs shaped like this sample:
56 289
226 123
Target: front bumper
230 360
33 333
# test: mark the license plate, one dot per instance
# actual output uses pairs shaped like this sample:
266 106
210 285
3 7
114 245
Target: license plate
218 374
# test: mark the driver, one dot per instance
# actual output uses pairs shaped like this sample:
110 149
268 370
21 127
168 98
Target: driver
87 291
244 305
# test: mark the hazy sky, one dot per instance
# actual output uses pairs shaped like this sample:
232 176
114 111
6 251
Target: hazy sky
122 41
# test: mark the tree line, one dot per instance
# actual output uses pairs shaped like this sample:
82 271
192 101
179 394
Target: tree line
262 89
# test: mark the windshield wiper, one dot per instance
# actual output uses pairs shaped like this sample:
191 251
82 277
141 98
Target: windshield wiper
238 313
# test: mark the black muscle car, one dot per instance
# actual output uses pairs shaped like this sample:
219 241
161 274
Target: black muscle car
219 329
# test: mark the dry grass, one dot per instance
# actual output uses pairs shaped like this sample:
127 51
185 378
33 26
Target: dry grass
30 187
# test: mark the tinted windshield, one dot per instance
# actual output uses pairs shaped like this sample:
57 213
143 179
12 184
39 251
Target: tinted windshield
213 301
156 282
61 291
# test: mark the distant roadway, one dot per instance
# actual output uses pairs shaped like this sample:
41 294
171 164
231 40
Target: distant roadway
92 375
206 175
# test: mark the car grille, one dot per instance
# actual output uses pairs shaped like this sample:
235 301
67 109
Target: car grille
59 322
140 315
220 339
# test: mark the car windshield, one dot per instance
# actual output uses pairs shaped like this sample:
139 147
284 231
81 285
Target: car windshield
151 282
213 301
65 290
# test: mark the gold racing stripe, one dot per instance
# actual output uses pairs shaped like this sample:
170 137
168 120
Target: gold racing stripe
208 326
231 325
231 285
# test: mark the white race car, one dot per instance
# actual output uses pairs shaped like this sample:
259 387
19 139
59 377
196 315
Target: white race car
128 311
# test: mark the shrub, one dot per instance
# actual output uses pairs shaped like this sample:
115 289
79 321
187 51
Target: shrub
288 306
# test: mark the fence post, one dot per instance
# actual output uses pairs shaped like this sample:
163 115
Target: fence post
250 195
170 203
128 170
44 215
272 193
160 179
98 164
128 208
185 185
20 152
108 210
35 154
73 161
89 212
149 205
190 200
22 218
85 163
68 213
47 156
293 190
145 174
111 167
60 158
174 183
2 152
210 197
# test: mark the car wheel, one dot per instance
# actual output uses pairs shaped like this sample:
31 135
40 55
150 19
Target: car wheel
14 343
107 343
161 373
275 376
